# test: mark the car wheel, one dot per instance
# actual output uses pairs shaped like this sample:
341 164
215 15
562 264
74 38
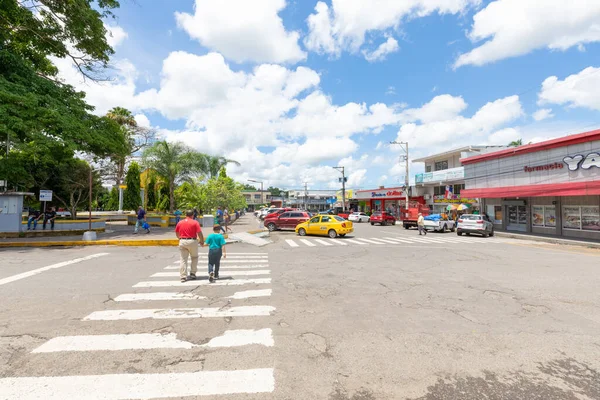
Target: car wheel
485 234
372 223
453 229
492 233
445 228
271 227
302 232
332 234
406 227
459 233
342 234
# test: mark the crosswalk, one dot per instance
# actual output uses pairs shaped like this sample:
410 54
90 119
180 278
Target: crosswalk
248 270
397 240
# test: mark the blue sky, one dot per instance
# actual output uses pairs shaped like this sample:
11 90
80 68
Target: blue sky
291 88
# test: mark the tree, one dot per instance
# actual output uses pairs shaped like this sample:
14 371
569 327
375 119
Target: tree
516 143
132 195
249 187
151 193
174 162
73 186
113 201
275 191
215 163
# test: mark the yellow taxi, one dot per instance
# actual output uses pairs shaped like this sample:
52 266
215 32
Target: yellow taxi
326 225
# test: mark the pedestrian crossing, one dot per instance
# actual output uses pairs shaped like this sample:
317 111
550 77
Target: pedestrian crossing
391 240
243 293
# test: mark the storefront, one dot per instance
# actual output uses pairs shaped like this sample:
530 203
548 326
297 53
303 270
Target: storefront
391 200
441 202
550 188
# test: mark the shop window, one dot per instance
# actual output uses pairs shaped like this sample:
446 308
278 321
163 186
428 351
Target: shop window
585 218
441 165
495 214
428 168
543 216
439 190
458 188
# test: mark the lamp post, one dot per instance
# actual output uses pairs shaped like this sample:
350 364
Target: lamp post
261 189
404 146
342 170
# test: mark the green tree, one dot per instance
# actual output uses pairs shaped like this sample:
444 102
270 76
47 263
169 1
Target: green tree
132 195
215 163
174 162
249 187
516 143
151 193
163 203
73 186
275 191
113 201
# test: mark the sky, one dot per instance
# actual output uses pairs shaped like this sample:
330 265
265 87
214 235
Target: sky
291 88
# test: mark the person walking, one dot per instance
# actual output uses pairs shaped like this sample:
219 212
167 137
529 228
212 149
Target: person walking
178 215
195 214
141 219
190 235
49 216
220 219
421 225
216 248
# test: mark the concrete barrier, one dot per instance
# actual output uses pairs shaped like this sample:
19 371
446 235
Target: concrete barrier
70 225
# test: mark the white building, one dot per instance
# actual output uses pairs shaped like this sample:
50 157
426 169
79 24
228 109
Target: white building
444 177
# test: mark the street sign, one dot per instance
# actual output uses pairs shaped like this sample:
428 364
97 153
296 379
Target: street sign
123 186
45 195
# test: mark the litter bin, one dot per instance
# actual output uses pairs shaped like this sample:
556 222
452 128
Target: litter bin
208 221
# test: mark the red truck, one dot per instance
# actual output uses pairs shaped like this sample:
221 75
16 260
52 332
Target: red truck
409 216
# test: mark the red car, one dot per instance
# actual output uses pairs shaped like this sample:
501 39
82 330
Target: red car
278 212
286 220
383 218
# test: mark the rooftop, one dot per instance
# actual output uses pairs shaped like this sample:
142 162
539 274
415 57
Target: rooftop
458 151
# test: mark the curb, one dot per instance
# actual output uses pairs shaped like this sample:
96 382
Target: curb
560 241
107 242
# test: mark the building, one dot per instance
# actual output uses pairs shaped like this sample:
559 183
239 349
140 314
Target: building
391 200
551 187
444 178
351 202
312 200
256 198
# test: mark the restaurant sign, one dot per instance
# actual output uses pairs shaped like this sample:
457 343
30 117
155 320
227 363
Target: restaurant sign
454 200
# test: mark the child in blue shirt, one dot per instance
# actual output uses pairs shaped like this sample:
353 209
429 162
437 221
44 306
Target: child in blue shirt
216 249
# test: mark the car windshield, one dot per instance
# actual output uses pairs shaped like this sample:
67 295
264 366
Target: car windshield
377 213
471 217
339 218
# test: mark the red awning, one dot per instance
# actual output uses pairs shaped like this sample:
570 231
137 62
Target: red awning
555 189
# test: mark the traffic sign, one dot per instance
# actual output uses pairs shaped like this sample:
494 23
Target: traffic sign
45 195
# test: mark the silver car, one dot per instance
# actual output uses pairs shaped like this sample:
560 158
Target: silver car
473 223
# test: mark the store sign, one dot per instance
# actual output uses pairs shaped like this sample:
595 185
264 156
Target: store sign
389 193
441 176
579 161
456 199
545 167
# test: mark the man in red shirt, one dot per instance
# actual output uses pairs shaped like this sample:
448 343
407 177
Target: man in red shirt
189 234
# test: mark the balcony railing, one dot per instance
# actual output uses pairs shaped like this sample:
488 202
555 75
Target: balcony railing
451 174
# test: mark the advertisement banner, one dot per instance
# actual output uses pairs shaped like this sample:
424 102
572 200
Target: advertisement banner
590 218
571 217
455 199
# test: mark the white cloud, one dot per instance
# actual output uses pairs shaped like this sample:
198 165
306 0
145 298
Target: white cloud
542 114
513 28
385 48
454 129
391 90
504 136
115 35
243 30
142 120
343 26
380 160
577 90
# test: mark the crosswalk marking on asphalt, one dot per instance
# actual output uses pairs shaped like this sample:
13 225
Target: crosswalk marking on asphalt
354 241
146 341
158 296
232 282
337 242
205 256
139 386
228 266
251 293
229 261
384 240
223 273
307 242
367 240
323 242
292 243
179 313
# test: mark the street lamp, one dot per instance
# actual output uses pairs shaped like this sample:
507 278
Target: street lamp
261 189
342 170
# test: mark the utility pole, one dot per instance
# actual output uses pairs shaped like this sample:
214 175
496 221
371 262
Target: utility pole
342 170
305 196
404 146
6 162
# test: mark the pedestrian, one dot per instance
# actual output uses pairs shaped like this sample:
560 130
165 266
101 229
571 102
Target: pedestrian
421 225
49 216
220 219
216 249
178 215
33 217
190 235
227 219
195 214
141 220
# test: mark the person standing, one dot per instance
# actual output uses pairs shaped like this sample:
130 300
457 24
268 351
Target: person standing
216 248
34 216
195 214
421 225
141 218
190 235
49 216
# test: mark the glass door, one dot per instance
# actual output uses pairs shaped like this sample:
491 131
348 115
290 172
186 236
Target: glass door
517 218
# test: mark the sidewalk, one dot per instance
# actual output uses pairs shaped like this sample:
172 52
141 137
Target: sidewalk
119 234
549 239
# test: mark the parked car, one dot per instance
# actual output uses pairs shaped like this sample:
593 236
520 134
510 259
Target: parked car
359 217
279 211
472 223
286 220
326 225
337 211
266 212
383 218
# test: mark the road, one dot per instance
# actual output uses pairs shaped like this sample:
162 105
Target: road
384 314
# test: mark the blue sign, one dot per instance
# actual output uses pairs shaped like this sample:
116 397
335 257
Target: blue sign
331 201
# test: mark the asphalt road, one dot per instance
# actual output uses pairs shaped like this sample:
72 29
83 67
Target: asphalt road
384 314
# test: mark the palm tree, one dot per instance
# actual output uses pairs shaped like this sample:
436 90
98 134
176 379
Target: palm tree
173 162
125 119
215 163
516 143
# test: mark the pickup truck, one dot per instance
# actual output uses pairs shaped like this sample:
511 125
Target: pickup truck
439 225
382 218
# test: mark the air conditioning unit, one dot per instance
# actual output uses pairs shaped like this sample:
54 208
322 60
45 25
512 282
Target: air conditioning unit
427 196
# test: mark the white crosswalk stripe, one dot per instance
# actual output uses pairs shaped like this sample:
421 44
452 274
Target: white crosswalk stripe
167 384
431 239
354 242
308 243
292 243
323 242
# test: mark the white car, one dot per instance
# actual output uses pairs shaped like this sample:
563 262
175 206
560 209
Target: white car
359 217
472 223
